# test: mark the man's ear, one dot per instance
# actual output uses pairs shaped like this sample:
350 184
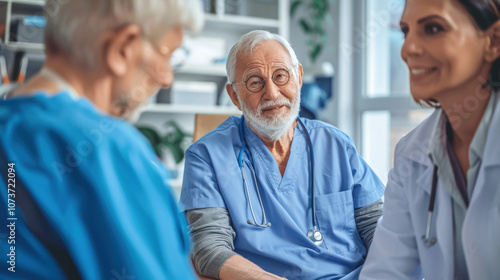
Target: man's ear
120 48
233 95
300 72
493 44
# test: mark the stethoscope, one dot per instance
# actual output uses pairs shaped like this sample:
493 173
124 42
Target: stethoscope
432 201
315 235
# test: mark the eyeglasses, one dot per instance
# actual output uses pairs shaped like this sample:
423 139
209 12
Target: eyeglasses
255 83
177 58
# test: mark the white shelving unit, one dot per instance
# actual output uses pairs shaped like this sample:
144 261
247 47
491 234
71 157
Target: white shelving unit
271 15
216 70
6 8
13 48
186 109
230 27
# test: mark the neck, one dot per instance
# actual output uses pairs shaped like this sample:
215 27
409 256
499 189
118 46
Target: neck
92 84
280 149
465 112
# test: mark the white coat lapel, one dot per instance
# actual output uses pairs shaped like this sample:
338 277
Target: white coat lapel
489 174
481 223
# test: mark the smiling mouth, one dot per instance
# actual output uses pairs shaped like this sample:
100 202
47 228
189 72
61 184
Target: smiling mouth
272 108
422 71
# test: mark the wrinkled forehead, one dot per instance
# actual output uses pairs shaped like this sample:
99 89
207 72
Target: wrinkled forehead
266 56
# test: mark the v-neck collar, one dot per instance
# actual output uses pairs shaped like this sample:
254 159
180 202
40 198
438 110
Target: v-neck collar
267 163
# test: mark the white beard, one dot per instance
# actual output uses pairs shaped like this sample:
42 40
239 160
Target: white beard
274 126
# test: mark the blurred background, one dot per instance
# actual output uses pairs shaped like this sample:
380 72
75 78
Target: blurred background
354 78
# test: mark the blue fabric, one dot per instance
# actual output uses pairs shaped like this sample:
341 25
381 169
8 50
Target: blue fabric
344 182
91 196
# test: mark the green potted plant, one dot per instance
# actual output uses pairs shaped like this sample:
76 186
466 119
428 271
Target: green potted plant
175 140
313 24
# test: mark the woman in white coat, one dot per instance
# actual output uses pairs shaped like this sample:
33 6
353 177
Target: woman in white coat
452 49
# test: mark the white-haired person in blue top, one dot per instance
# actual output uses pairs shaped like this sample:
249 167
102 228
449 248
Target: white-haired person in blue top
90 196
270 195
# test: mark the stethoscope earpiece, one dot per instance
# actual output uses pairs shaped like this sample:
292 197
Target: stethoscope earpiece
259 225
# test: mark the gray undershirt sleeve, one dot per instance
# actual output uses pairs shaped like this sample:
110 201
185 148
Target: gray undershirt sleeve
212 237
366 220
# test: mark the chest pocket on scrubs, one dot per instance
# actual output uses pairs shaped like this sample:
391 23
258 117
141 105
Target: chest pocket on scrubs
336 221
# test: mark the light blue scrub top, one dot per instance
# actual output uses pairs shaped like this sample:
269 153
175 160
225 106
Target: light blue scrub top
344 182
91 198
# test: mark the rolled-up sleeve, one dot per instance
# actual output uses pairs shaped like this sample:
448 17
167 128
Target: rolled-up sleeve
212 237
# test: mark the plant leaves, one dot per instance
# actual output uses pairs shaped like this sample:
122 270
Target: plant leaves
177 152
315 52
153 137
178 130
294 6
305 26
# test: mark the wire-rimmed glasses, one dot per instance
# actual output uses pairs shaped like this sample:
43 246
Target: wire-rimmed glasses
256 83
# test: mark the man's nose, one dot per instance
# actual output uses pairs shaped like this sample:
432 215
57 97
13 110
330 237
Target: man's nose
271 90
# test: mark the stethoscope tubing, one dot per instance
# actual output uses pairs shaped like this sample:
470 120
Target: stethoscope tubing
311 179
432 201
245 149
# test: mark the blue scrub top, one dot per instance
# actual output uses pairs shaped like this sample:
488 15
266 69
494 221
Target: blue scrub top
91 198
344 182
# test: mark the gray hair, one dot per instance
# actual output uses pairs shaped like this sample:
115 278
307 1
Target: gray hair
247 44
74 25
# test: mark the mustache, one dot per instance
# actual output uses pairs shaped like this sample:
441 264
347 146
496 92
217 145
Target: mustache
272 103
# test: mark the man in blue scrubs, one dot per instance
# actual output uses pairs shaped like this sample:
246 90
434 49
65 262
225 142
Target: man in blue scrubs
84 193
264 229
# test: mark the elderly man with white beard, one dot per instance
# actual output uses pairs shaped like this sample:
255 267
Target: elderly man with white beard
270 195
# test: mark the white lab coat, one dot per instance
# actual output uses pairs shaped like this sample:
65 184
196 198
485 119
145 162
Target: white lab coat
398 251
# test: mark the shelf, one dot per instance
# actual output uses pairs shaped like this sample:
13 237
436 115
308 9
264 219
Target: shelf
239 24
187 109
21 46
208 70
31 2
242 20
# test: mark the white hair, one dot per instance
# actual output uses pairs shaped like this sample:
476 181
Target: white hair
247 44
74 25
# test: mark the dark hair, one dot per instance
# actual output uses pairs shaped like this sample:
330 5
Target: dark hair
485 13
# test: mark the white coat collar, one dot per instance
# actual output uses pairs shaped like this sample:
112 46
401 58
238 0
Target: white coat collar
491 156
424 135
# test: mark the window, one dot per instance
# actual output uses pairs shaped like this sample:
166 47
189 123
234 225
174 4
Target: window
385 109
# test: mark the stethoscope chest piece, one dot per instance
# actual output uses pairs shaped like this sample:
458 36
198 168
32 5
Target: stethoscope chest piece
429 242
316 236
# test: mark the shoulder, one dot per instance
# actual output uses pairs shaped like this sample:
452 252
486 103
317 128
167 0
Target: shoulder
75 120
67 128
323 131
219 139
